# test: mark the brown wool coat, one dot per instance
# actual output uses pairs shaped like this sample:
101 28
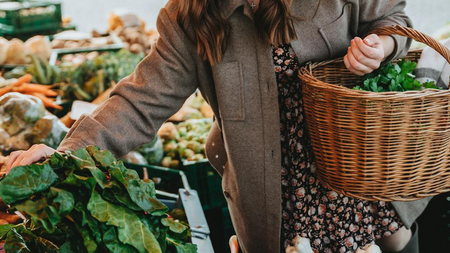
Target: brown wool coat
244 144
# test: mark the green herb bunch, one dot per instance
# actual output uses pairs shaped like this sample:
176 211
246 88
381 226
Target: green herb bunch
87 201
394 77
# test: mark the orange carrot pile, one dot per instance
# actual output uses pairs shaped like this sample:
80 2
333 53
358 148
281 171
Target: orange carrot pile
43 92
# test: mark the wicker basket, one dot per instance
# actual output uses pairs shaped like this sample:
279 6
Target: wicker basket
391 146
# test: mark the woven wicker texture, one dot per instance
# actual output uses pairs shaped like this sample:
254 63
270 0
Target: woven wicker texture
391 146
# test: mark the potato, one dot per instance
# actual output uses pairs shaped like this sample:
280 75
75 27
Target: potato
137 48
57 43
126 46
134 37
119 31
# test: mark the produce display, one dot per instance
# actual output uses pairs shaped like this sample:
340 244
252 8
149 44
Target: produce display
136 39
40 70
184 141
174 144
394 77
195 107
23 85
15 51
24 122
74 39
86 201
131 30
77 59
89 79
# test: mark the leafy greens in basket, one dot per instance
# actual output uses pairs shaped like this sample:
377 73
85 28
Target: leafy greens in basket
87 201
394 77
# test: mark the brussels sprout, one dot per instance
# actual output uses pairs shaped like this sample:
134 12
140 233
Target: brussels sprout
187 153
195 146
166 161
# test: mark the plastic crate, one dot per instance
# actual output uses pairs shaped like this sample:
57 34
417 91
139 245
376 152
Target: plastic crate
205 179
201 176
165 179
29 17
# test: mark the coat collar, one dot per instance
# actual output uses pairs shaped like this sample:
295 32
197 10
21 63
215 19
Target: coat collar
230 6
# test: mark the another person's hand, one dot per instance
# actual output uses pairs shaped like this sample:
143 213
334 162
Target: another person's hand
365 56
32 155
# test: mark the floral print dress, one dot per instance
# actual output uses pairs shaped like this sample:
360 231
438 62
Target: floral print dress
332 222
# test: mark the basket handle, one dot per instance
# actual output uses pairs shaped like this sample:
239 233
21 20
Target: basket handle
415 35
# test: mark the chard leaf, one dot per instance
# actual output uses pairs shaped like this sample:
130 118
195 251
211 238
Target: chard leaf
130 228
80 182
89 221
180 246
174 226
57 160
88 241
25 181
4 229
142 193
154 224
15 243
84 161
50 209
46 246
102 157
114 244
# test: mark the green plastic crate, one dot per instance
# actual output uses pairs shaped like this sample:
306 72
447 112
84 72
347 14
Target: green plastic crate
31 17
200 175
205 179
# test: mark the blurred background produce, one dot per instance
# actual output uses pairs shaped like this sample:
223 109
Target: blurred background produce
24 122
77 56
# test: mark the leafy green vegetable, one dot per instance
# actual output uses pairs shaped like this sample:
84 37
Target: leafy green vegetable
24 182
394 77
15 243
86 201
130 229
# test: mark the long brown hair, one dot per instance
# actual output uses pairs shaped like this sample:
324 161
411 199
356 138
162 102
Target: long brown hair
273 22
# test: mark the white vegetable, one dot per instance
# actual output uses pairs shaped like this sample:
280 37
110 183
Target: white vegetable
369 248
16 52
3 49
40 46
301 245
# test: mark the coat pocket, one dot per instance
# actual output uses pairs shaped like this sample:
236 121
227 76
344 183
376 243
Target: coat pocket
229 84
337 34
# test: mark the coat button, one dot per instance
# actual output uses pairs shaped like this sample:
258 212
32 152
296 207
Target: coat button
227 194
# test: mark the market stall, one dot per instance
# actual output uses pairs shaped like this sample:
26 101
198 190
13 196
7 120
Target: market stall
52 74
164 196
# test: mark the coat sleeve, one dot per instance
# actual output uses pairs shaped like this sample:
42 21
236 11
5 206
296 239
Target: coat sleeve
374 14
143 101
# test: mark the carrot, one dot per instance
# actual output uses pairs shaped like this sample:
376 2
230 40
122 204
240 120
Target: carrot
5 90
23 79
30 88
47 101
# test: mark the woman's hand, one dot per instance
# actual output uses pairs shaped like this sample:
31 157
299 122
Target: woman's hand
365 56
32 155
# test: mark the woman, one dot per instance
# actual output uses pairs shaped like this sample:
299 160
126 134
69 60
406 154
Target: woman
243 56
